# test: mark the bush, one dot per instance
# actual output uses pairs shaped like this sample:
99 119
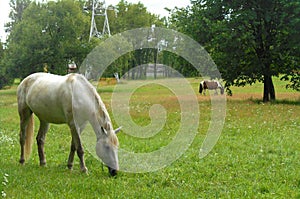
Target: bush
5 80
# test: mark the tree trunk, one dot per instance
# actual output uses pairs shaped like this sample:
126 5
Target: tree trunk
269 90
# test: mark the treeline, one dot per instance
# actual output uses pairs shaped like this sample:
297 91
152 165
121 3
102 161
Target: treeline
48 36
249 40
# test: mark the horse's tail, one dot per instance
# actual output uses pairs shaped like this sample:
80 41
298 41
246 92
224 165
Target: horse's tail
29 137
200 87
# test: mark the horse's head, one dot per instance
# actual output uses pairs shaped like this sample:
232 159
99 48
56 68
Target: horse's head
221 87
222 90
107 150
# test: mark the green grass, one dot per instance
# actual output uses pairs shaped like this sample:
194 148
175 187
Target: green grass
257 155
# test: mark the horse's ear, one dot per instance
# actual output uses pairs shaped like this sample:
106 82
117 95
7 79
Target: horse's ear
118 129
103 129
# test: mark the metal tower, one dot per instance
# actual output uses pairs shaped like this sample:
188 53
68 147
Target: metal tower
98 8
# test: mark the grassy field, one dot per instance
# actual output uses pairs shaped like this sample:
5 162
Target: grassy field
257 155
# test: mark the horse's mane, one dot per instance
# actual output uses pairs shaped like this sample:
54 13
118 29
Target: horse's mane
107 125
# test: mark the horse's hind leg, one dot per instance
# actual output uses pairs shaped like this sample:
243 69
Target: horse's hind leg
22 139
40 139
25 115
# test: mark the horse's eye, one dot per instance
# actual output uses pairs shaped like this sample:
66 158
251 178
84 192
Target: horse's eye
106 146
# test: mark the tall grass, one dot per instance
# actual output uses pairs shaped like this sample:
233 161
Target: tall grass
257 155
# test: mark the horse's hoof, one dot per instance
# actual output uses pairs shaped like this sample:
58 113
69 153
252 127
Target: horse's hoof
42 164
84 170
70 166
22 161
112 172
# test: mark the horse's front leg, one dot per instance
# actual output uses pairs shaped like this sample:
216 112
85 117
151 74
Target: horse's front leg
40 139
216 92
76 145
71 155
80 153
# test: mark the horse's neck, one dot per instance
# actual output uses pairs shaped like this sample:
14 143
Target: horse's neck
88 106
101 123
219 85
101 115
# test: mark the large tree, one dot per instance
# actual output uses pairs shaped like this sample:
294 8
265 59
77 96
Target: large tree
250 40
16 13
48 35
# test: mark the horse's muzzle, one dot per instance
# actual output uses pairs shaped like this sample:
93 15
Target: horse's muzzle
112 172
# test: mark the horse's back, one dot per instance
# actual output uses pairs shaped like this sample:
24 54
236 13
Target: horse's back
211 84
48 96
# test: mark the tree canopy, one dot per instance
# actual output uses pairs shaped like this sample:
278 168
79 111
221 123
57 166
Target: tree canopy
47 36
249 40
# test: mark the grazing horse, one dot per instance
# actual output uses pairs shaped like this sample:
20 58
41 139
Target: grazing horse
69 99
211 85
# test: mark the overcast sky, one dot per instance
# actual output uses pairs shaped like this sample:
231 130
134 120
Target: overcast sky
153 6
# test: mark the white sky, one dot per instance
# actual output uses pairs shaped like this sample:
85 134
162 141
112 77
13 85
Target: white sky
153 6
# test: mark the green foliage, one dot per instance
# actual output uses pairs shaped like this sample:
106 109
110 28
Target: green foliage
130 16
16 13
49 35
5 77
249 40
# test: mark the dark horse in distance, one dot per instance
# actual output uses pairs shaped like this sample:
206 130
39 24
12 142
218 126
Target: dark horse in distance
210 85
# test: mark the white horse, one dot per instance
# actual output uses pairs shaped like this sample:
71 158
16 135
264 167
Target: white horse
61 99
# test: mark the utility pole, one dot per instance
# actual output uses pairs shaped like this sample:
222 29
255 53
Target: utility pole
98 9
